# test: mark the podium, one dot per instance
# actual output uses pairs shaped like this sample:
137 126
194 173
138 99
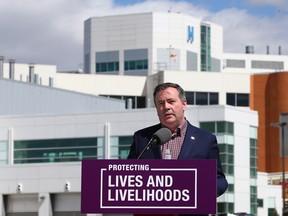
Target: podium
149 187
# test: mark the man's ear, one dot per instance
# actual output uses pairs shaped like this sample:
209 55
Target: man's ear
184 105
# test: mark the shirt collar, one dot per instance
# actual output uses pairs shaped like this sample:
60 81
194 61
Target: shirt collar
179 130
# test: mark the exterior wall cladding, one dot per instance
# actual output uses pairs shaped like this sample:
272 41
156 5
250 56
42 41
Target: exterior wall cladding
269 96
149 31
152 35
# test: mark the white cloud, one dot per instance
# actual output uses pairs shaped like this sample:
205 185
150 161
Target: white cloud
51 32
280 4
44 31
242 29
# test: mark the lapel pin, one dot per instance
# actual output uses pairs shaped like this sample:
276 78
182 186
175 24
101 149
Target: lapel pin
192 137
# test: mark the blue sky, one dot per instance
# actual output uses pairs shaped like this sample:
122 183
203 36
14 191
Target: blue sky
266 8
51 32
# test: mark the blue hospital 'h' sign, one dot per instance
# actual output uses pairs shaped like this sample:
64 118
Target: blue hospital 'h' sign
190 34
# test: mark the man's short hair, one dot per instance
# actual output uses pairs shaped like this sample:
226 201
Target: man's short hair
166 85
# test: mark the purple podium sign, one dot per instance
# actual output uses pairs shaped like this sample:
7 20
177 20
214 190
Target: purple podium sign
149 186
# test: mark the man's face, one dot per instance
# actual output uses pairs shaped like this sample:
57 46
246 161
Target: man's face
170 108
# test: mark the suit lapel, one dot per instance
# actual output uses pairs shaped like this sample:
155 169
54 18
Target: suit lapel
157 152
189 142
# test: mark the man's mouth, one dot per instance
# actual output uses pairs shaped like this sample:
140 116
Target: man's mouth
168 114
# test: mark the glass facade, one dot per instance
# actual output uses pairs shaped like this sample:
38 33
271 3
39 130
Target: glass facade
253 169
225 207
3 152
56 150
68 150
76 149
107 67
253 158
253 200
120 147
134 102
237 99
205 48
136 65
218 127
107 62
136 62
225 136
202 98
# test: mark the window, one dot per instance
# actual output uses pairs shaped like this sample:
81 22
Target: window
260 203
227 158
107 67
107 62
208 126
218 127
55 150
253 200
237 99
225 207
202 98
230 99
223 128
272 212
136 65
253 158
213 98
3 152
131 65
230 188
136 62
205 48
134 102
226 148
234 63
120 146
268 65
103 67
190 97
242 100
253 169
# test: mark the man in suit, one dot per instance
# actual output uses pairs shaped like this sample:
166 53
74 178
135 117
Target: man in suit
188 141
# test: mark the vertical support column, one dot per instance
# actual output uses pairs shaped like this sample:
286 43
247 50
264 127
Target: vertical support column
12 69
51 82
148 102
107 140
31 73
45 205
121 63
2 206
1 66
10 146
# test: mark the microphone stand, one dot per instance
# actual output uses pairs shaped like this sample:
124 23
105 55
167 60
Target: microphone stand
147 147
158 138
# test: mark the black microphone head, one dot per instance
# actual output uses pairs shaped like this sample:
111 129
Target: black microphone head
162 135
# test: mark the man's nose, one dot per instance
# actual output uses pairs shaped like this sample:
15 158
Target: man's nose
166 106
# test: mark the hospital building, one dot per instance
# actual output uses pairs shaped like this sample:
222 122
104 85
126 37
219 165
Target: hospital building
52 120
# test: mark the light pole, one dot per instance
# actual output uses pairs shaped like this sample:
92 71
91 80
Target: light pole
282 125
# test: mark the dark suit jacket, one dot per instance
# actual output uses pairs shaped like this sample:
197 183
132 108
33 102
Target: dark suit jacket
197 144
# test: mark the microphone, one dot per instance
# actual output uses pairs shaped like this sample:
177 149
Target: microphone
158 138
